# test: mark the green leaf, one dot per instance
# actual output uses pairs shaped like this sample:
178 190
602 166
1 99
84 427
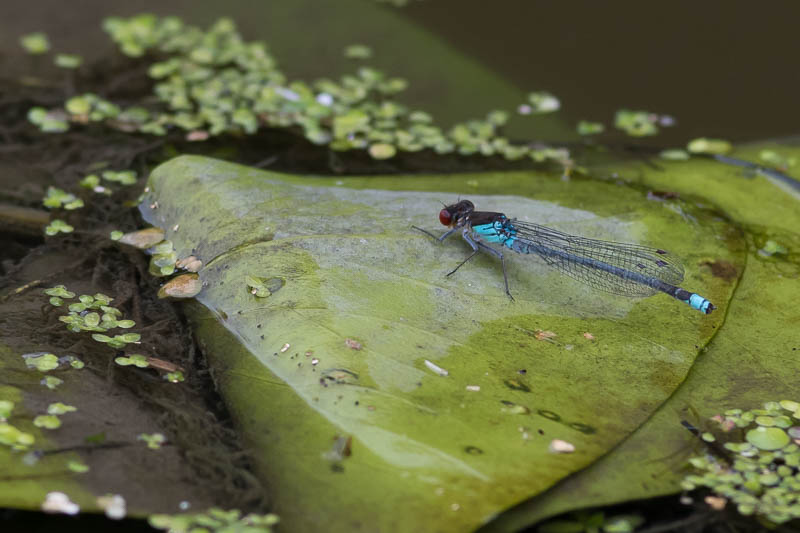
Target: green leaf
41 361
708 146
51 382
636 123
140 361
35 43
590 128
68 61
59 408
759 326
6 407
47 422
60 291
154 440
543 102
358 51
353 268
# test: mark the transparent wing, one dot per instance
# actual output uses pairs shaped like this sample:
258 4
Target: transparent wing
569 254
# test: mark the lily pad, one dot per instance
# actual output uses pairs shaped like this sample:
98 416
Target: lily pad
353 268
750 360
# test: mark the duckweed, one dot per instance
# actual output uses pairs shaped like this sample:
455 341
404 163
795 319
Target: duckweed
590 128
763 477
153 440
6 406
59 408
41 361
57 198
215 520
77 467
213 82
68 61
14 438
709 146
58 226
51 382
636 123
47 422
117 341
35 43
137 360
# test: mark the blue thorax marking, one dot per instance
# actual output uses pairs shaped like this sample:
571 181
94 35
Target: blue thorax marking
500 231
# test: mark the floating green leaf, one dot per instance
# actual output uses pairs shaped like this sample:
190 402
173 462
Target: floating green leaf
58 226
14 438
708 146
77 467
59 291
6 407
543 102
358 51
59 408
58 198
674 155
590 128
35 43
51 382
137 360
68 61
768 438
636 123
47 422
153 440
41 361
215 520
385 288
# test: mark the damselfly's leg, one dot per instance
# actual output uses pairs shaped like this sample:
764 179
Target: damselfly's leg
500 255
472 243
476 247
434 237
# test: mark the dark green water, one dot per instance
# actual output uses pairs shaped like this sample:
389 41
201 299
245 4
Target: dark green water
725 69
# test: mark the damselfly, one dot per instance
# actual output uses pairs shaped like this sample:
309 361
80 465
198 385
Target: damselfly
626 269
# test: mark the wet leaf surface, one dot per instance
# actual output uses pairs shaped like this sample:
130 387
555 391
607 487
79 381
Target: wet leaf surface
353 269
752 359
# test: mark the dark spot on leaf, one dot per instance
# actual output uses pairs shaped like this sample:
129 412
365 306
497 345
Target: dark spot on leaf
661 195
722 269
473 450
583 428
515 384
549 415
339 376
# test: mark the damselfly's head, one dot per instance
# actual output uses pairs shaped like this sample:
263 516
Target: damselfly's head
452 214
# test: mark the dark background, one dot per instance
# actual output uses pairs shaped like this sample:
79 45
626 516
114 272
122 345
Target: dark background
724 69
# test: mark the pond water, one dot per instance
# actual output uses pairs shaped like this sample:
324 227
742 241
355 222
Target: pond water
720 72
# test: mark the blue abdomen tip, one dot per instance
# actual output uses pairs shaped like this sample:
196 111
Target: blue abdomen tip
700 303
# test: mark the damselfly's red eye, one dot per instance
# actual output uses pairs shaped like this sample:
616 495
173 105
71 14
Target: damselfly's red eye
445 217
